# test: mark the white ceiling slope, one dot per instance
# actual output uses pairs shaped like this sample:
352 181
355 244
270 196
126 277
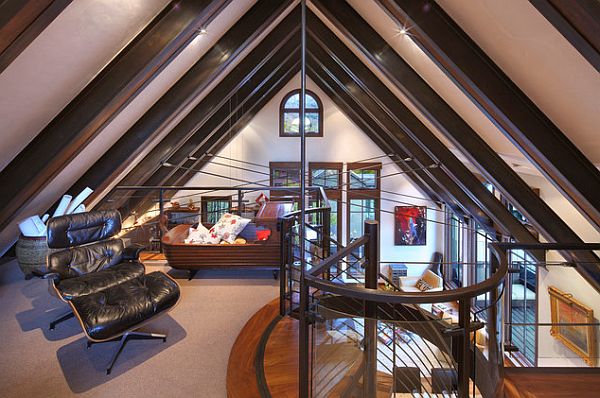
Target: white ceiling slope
61 61
122 122
540 61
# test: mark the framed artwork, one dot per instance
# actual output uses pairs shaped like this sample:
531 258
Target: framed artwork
581 339
410 225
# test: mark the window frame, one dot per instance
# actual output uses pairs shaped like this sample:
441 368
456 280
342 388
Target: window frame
204 205
283 110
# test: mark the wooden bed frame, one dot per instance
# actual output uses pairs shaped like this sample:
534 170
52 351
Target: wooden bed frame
192 257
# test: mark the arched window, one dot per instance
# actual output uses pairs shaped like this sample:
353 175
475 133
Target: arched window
289 115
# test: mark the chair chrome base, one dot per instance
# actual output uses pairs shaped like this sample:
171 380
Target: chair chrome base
62 318
124 339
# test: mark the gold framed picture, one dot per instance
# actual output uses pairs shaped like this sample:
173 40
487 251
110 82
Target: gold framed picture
581 339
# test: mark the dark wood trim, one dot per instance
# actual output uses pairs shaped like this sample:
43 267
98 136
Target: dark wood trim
100 101
111 166
282 110
21 22
578 21
487 161
519 119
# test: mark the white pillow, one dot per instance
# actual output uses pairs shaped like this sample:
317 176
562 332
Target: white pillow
198 235
228 227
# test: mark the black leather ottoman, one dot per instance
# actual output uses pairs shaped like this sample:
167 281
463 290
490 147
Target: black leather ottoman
113 311
116 312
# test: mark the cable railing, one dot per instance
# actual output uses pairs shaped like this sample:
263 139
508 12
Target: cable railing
549 318
366 341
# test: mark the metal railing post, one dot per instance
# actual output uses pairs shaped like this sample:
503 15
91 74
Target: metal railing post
326 238
161 208
464 347
283 278
371 280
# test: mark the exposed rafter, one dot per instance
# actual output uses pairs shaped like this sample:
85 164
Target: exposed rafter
21 21
578 21
192 131
100 101
412 134
110 167
427 101
501 100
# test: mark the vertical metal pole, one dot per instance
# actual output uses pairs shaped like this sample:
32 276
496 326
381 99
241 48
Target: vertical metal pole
326 239
239 201
160 215
283 227
464 369
304 338
371 279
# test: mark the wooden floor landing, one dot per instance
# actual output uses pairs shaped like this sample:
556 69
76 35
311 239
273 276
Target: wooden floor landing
266 353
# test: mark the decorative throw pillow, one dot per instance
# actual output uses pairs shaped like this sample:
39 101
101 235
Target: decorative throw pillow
422 285
228 227
197 235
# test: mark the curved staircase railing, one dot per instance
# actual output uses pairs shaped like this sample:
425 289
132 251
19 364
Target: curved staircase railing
363 339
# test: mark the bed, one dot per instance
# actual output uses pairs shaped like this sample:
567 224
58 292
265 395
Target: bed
264 254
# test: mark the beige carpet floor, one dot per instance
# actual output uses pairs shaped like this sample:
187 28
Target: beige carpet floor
37 362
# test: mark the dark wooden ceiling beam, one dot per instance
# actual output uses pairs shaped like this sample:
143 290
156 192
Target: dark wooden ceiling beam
99 102
240 119
367 124
110 167
174 147
21 21
487 161
412 134
222 127
578 21
524 124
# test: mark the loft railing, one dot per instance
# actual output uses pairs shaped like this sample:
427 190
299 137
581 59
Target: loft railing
540 333
143 207
361 339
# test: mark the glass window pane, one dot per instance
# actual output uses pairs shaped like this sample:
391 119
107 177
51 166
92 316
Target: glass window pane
290 122
363 179
293 101
311 123
283 177
311 102
326 178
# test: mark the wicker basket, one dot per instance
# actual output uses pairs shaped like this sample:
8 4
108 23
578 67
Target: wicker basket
32 254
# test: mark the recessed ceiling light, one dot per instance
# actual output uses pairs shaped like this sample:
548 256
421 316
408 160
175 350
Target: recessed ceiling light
202 31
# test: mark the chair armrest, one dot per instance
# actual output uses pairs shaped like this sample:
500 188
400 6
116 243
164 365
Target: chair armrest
408 280
132 253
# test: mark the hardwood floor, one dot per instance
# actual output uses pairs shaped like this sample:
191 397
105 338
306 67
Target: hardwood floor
281 359
551 383
241 369
280 367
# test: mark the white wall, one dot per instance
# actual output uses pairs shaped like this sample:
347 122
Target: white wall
59 63
15 123
550 351
259 142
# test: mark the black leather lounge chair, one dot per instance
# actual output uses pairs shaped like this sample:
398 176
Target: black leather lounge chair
103 282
